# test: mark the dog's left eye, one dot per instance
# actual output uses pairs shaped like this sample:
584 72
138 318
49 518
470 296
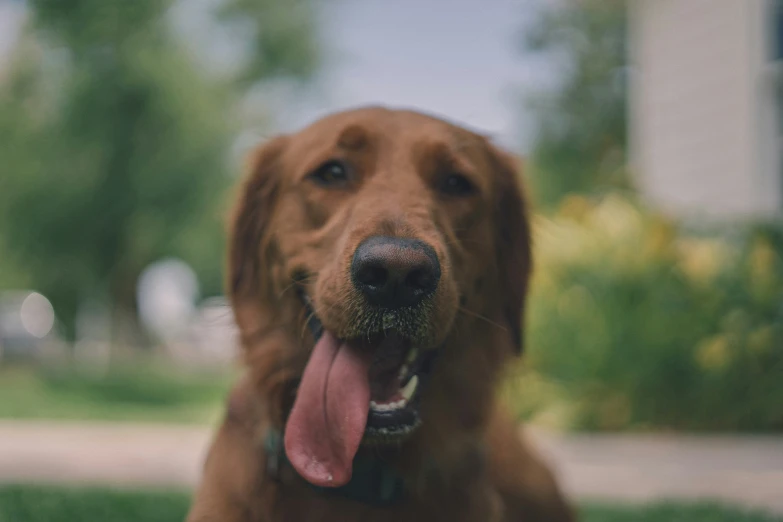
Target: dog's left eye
332 173
457 185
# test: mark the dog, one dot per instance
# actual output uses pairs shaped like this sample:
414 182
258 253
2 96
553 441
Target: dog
378 267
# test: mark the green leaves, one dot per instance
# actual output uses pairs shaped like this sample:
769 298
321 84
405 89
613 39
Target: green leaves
639 324
115 141
284 39
581 124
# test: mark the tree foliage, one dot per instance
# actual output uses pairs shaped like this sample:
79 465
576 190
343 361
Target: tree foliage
580 125
282 41
115 143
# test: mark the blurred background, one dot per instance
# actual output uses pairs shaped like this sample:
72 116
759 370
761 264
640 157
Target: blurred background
652 136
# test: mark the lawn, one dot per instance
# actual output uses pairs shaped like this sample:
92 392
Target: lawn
50 504
132 392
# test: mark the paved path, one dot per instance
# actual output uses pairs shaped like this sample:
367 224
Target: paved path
741 470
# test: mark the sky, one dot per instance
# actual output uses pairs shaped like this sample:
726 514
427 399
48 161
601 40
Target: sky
460 59
10 20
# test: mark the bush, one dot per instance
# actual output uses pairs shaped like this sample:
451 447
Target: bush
635 322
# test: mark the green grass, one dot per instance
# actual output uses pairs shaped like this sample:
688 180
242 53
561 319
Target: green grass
51 504
673 512
134 392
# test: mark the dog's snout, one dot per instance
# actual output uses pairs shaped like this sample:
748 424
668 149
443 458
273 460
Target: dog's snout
395 272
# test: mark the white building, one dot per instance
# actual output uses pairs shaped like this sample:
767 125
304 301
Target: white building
705 107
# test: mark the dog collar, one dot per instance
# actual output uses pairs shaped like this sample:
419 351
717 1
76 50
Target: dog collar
372 482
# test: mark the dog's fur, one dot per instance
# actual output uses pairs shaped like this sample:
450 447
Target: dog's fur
467 461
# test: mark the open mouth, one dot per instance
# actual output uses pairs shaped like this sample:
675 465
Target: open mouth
353 392
394 388
396 375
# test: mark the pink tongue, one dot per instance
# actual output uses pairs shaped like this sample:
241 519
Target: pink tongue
329 416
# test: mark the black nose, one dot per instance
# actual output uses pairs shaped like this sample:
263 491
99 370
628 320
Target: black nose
393 272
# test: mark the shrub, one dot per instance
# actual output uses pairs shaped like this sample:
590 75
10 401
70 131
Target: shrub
636 322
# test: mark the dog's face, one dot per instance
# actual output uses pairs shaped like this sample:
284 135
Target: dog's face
383 231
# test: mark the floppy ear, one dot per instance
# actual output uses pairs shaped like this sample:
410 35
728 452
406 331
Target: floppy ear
512 243
255 203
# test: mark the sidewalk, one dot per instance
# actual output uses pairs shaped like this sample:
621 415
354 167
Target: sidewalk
740 470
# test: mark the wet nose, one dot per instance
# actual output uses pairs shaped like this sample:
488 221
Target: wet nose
393 272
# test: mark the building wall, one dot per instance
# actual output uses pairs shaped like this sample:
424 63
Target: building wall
702 139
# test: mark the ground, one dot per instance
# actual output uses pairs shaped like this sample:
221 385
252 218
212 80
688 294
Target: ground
741 471
146 428
49 504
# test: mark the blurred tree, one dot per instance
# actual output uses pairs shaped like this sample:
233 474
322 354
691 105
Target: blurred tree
580 125
282 42
115 144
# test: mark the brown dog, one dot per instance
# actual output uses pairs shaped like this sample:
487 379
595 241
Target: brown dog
378 269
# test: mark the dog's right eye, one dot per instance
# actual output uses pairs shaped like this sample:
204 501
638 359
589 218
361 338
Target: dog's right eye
333 173
457 185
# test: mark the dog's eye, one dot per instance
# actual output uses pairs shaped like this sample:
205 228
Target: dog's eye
330 174
457 185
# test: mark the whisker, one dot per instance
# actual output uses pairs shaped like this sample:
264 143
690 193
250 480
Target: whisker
312 314
295 282
306 322
286 289
479 316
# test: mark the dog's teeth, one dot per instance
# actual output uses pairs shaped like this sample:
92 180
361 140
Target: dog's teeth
391 406
403 372
410 388
412 356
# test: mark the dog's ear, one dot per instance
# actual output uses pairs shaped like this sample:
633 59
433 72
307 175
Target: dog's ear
247 228
512 243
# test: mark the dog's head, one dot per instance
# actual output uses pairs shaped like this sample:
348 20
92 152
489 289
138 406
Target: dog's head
402 242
